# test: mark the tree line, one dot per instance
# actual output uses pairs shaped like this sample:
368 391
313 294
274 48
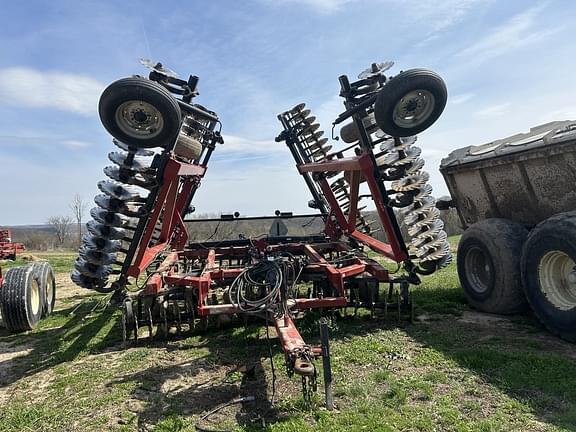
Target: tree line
65 231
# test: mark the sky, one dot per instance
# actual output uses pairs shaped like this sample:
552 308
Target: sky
507 65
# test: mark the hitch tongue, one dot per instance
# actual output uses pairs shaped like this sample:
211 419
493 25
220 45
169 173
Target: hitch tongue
303 367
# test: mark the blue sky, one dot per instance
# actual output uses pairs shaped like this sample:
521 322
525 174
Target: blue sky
508 66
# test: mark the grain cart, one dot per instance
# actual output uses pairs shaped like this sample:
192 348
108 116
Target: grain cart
138 248
517 200
27 294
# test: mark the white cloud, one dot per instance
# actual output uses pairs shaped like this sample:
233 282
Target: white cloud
41 139
20 86
236 144
75 144
253 192
461 98
324 7
494 110
441 14
519 31
45 189
567 113
325 113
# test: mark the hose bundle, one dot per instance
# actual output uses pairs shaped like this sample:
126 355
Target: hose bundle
257 288
266 285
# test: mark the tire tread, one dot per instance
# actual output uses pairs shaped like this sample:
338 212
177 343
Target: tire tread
14 297
504 239
556 227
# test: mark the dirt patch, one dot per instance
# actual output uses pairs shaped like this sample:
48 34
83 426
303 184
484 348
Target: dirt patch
9 358
30 258
65 288
484 319
497 325
9 354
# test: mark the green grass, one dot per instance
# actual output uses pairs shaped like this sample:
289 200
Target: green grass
442 373
61 261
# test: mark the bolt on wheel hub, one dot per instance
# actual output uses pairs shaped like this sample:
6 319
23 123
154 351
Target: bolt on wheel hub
414 108
139 118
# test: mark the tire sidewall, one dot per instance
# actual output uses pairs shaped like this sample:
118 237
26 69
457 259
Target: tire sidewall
397 88
130 89
464 248
16 299
33 318
45 276
51 286
501 241
556 319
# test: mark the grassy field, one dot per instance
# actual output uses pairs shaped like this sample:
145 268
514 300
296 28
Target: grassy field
453 369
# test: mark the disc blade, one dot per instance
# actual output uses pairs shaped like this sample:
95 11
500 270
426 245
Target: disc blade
96 256
135 163
105 231
101 243
115 190
134 150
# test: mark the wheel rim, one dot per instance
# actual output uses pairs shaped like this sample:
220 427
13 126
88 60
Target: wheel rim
557 277
478 270
414 108
49 291
35 297
139 119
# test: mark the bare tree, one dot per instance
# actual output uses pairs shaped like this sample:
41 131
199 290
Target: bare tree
61 226
78 207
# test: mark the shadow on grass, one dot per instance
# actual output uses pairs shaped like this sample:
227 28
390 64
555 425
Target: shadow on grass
512 353
65 335
202 388
515 353
230 368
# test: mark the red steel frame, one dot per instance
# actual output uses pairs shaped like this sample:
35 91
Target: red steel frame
170 202
213 274
7 247
357 169
179 181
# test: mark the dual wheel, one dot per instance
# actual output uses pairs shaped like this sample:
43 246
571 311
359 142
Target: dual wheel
27 294
504 268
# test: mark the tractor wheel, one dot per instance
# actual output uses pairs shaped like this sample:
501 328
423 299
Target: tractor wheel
45 275
410 102
549 273
21 299
140 113
488 265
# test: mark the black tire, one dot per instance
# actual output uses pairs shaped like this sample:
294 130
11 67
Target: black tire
20 299
45 275
488 265
129 322
432 95
549 274
140 112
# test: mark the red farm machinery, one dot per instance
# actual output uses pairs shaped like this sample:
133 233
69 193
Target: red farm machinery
138 247
9 249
